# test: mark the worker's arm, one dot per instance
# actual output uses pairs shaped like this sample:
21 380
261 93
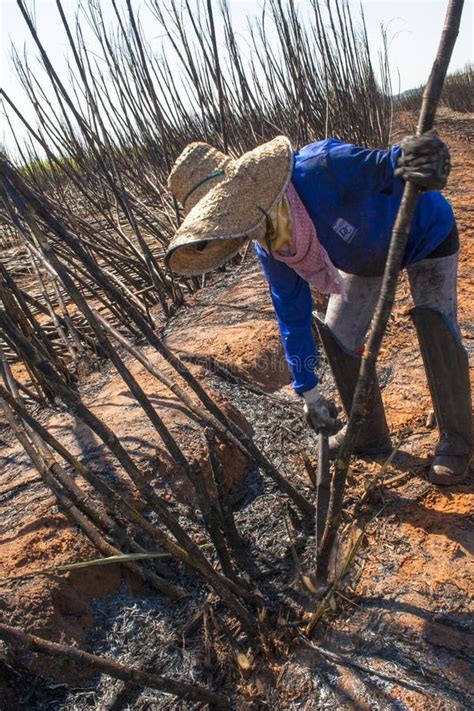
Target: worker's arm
291 297
423 160
364 171
292 302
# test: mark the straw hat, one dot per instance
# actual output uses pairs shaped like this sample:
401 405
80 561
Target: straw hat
226 201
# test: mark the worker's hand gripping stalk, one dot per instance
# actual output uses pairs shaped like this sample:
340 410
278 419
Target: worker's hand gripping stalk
321 414
425 161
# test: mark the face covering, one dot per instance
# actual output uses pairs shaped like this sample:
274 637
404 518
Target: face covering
291 238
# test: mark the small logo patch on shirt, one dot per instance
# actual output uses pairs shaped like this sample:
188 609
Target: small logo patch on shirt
345 230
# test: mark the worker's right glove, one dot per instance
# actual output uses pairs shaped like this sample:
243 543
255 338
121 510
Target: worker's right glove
321 414
424 161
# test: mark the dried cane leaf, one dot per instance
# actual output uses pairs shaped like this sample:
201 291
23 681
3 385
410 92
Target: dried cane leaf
308 583
243 661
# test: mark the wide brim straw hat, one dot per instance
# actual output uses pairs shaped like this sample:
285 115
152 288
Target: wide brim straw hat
226 201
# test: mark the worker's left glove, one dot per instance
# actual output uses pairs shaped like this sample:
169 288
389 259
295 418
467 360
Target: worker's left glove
321 414
425 161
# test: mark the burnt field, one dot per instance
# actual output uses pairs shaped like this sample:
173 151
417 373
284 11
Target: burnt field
157 477
397 631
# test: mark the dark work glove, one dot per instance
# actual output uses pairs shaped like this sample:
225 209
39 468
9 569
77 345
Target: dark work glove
424 161
321 414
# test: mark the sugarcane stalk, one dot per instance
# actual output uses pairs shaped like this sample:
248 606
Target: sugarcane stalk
227 516
67 319
33 330
125 508
173 592
131 382
218 77
24 641
140 395
7 374
82 499
43 392
323 488
50 308
383 310
65 322
212 522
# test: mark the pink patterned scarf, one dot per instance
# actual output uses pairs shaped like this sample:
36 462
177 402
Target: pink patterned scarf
307 255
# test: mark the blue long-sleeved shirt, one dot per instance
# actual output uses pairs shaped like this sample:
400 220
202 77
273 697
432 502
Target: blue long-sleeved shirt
352 197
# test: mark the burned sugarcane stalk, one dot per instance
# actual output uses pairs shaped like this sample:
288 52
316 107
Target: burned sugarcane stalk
6 372
137 391
131 382
211 520
113 498
227 516
65 323
24 641
84 341
32 329
50 307
323 488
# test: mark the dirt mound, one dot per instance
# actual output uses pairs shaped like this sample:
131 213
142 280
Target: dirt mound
238 329
56 606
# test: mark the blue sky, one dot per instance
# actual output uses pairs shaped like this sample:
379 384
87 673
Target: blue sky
414 29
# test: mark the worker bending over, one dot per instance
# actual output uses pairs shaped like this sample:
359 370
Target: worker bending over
322 217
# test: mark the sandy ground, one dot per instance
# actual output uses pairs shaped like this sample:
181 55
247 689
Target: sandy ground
406 612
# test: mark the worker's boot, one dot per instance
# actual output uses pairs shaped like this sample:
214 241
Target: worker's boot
447 369
374 436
